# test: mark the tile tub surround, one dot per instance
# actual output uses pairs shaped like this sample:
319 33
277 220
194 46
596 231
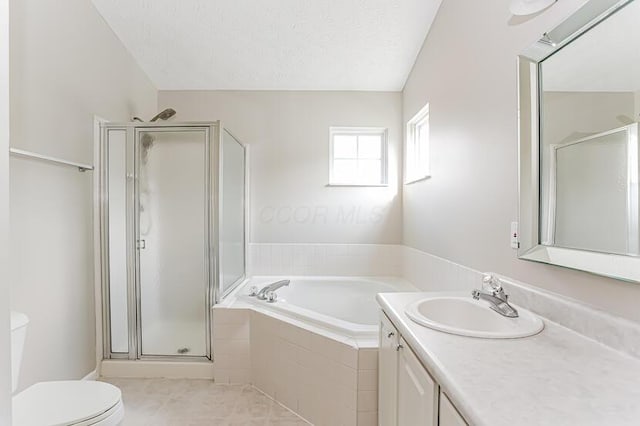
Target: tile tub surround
324 380
557 377
231 345
325 259
159 402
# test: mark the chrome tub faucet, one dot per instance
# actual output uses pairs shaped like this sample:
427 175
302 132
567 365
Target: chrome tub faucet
268 292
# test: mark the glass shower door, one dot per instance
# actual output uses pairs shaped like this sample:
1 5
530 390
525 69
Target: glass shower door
172 200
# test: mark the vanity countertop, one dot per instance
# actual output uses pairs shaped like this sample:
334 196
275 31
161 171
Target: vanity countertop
557 377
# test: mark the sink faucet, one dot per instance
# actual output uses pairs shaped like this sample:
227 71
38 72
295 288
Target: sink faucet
262 294
495 296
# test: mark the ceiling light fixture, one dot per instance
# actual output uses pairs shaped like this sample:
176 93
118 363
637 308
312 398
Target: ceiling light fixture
529 7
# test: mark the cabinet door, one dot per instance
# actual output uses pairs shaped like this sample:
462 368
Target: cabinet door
417 392
387 372
449 416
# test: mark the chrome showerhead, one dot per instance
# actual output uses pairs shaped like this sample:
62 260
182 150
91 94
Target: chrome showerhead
164 115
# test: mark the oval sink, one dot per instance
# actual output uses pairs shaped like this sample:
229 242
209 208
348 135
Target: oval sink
468 317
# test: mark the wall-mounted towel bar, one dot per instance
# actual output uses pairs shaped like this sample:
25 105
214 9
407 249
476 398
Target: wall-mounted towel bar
28 154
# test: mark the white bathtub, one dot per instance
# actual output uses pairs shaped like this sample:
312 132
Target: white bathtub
343 305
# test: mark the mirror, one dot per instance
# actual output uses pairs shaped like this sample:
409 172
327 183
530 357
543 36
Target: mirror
579 112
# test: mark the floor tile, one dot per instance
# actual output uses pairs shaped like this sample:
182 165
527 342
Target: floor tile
178 402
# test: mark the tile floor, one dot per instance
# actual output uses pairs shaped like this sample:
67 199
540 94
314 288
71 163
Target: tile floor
160 402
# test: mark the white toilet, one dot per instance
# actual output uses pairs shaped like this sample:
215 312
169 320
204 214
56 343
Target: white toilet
73 402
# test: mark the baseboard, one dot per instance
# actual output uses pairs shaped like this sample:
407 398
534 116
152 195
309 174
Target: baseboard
93 375
156 369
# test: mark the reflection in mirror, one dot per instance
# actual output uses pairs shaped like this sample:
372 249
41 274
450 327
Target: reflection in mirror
579 100
589 108
591 200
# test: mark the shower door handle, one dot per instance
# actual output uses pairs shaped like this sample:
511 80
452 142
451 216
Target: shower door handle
142 244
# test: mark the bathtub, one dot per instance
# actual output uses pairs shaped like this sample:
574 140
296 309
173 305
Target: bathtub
319 338
343 305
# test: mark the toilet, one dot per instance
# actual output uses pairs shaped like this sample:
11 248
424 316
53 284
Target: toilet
63 403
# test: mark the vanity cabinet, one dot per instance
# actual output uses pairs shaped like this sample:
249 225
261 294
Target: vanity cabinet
417 391
449 416
407 394
387 373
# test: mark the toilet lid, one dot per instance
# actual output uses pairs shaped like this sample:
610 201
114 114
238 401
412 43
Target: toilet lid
63 403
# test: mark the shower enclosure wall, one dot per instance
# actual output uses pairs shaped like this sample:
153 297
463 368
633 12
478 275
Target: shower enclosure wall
172 235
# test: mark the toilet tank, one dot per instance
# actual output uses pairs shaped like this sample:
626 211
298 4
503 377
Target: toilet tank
19 323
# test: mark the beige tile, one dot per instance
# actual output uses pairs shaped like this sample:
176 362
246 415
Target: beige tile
296 335
231 347
233 376
368 380
240 376
367 418
335 373
232 331
232 361
221 375
346 397
230 316
286 352
264 323
367 400
368 359
334 350
309 405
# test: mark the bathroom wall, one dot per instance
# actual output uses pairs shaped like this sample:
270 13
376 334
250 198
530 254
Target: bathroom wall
467 72
288 134
66 67
5 353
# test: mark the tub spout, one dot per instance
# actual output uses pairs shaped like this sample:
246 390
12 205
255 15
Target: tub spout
262 294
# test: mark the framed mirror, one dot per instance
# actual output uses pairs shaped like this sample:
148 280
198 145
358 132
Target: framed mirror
579 108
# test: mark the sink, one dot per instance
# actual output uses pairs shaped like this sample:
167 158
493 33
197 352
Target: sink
465 316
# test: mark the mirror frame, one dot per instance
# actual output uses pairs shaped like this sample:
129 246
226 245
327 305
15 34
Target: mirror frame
529 92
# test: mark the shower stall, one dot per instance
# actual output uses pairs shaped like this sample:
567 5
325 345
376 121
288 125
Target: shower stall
172 231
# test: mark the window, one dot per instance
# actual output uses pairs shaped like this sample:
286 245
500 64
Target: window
358 156
416 151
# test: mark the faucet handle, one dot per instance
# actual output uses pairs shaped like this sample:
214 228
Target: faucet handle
490 281
493 283
272 296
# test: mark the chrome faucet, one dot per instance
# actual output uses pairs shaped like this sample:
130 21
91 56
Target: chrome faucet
264 293
495 296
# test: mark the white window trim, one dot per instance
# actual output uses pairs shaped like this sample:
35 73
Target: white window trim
335 130
410 135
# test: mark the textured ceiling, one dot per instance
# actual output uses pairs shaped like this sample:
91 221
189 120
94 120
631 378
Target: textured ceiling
273 45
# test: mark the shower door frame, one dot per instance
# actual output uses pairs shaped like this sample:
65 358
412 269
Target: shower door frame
134 319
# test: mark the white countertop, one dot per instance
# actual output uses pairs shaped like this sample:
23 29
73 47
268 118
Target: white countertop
557 377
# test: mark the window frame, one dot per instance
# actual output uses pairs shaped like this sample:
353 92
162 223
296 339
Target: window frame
420 118
360 131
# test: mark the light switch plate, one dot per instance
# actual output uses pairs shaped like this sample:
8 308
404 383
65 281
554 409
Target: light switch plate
515 244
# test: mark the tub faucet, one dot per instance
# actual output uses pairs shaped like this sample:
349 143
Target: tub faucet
495 296
262 294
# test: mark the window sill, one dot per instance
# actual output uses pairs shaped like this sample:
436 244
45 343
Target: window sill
357 185
418 179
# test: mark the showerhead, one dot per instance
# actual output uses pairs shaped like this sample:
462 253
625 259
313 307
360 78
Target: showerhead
164 115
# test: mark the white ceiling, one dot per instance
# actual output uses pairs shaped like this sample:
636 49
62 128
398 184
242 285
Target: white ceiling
604 59
273 45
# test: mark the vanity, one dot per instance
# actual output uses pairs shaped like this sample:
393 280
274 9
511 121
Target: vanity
555 377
